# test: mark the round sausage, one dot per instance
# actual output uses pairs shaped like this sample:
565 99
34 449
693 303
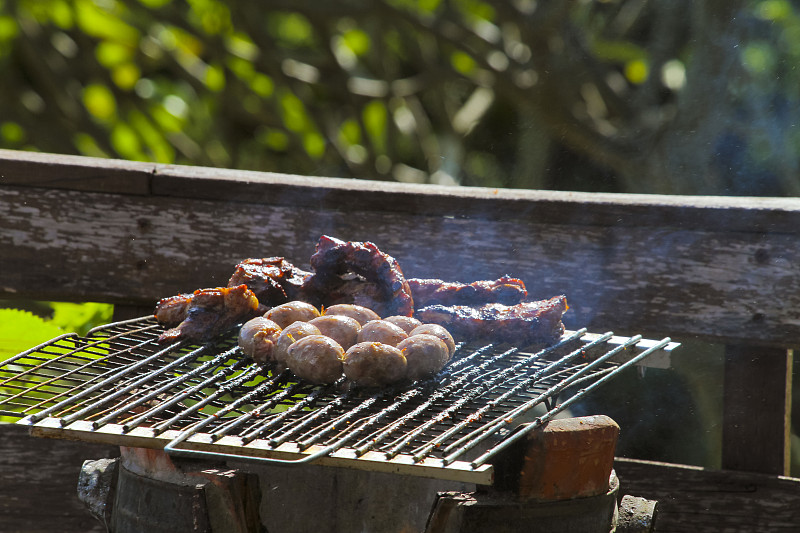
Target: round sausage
425 354
340 328
360 313
406 323
437 331
257 338
381 331
289 336
372 364
290 312
316 358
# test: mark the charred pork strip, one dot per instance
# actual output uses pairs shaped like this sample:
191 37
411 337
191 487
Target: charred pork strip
383 287
523 323
213 311
505 290
272 279
172 311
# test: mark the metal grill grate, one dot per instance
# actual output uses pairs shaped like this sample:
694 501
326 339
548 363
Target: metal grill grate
118 385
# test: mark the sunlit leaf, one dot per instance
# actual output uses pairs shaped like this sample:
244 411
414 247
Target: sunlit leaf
99 23
262 85
154 4
350 132
274 139
637 71
156 142
292 28
758 57
240 45
314 144
80 317
622 51
357 41
126 142
110 53
21 330
462 62
86 145
375 121
99 101
12 133
293 112
215 78
126 75
8 28
774 10
61 14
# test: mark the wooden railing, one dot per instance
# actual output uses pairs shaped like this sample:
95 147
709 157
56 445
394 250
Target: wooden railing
711 268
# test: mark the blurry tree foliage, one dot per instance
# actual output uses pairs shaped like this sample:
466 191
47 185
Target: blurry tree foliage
624 95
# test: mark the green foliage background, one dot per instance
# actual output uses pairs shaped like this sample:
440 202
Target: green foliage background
625 95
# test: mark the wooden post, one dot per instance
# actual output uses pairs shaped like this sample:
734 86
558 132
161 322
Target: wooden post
756 421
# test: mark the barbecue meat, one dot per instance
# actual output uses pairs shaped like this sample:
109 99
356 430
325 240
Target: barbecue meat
295 311
272 279
523 323
340 328
360 314
316 358
357 272
437 331
381 331
505 290
373 364
425 355
258 338
172 311
213 311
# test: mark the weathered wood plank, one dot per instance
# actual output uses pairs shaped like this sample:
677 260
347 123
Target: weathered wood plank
756 421
732 286
38 483
73 172
692 499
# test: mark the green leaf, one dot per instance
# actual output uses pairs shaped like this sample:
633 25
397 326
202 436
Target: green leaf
99 101
375 122
82 317
357 41
21 330
462 62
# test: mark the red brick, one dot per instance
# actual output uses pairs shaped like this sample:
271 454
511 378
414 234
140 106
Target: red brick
569 458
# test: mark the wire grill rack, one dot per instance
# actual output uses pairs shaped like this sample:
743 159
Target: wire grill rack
118 385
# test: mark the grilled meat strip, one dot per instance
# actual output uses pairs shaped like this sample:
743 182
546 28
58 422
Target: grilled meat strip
357 272
172 311
505 290
523 323
213 311
272 279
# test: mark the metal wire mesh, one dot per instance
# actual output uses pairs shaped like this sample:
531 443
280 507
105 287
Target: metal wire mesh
208 400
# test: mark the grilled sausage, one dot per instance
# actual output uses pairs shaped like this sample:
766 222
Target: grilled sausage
360 313
316 358
372 364
425 355
340 328
381 331
257 338
437 331
290 312
406 323
289 336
